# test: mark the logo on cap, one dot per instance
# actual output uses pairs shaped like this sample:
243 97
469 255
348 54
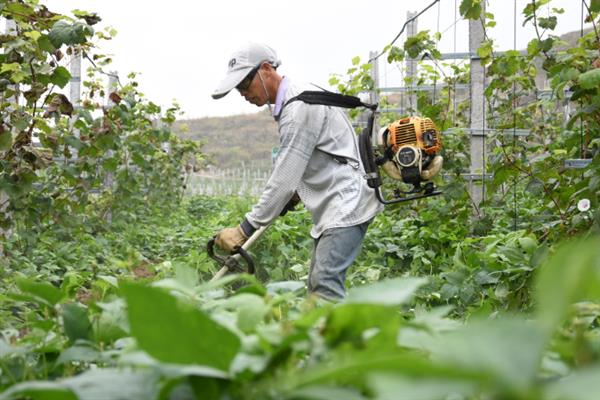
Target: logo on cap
232 63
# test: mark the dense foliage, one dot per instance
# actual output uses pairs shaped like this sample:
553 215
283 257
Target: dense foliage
68 167
144 322
445 302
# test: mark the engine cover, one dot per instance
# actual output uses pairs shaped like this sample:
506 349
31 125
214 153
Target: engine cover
415 131
409 146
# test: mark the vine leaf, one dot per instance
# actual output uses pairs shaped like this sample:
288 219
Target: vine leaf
470 9
174 332
571 275
59 104
64 33
60 77
77 324
115 98
90 18
5 138
590 79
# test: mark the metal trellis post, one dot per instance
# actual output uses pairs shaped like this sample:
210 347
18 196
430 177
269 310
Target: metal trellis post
11 28
477 111
109 178
75 84
75 92
411 64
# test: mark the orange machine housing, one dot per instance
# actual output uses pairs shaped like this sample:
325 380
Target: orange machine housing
415 131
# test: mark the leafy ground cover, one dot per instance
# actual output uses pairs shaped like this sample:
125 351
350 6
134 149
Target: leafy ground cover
443 314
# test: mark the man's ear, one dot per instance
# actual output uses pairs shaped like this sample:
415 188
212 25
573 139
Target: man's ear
267 67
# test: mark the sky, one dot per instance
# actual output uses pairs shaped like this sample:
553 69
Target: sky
181 48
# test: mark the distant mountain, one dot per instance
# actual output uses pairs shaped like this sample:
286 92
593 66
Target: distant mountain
235 141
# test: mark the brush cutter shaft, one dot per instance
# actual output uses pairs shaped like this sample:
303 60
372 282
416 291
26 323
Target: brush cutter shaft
232 262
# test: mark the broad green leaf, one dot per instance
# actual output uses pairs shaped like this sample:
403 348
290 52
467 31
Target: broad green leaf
251 313
388 387
74 142
285 286
76 322
65 33
78 353
348 323
470 9
175 332
45 44
10 67
547 23
325 393
352 367
112 323
250 309
6 349
5 139
38 391
595 6
91 385
509 350
572 274
23 10
590 79
533 47
41 290
139 359
114 384
579 385
391 292
35 35
485 50
186 275
60 77
90 18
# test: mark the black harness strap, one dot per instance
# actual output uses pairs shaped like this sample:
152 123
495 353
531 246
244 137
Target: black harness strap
330 99
327 98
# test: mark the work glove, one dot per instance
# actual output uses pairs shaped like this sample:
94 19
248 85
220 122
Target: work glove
291 204
230 238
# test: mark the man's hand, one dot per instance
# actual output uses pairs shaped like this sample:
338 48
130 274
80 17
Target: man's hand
230 238
291 204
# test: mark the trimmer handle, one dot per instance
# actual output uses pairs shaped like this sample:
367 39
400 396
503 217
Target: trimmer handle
231 261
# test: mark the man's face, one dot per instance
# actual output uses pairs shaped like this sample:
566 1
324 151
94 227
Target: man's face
253 92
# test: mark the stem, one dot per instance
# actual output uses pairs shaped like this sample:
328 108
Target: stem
535 25
8 372
593 22
101 70
33 76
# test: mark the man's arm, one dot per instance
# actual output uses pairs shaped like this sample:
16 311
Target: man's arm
299 130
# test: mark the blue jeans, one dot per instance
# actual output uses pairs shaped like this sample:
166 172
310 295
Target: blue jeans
333 253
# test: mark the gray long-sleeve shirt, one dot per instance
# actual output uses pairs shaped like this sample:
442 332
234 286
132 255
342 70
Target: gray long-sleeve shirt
335 194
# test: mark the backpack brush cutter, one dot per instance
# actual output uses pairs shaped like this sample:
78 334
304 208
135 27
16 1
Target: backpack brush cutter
407 149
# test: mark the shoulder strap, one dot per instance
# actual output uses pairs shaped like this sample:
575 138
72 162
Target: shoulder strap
330 99
365 147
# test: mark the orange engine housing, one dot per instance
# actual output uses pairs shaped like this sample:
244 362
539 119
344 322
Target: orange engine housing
415 131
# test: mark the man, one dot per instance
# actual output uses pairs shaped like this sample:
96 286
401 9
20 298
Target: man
318 159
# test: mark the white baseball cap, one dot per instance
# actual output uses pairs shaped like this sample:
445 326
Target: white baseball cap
241 62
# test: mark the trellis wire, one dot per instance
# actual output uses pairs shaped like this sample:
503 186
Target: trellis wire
514 107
